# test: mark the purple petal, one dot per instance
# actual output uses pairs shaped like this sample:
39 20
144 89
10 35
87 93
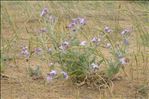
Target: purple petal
83 43
38 50
125 31
107 29
49 78
65 74
82 21
44 12
52 73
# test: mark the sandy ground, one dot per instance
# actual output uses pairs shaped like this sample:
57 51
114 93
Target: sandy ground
18 84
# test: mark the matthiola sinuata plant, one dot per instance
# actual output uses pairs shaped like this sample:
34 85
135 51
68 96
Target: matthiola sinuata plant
118 50
79 58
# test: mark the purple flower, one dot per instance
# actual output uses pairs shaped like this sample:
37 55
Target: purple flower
123 60
107 29
71 25
49 78
25 52
44 12
65 75
83 43
64 45
82 21
24 48
52 73
79 21
38 50
76 21
125 32
96 40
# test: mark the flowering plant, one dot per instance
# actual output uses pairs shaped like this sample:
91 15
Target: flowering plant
80 58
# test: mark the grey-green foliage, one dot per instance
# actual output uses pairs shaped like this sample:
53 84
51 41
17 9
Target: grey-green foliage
75 62
113 68
34 71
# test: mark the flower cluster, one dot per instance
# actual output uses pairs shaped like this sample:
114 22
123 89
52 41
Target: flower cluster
76 22
64 46
25 52
83 43
48 16
44 12
38 51
125 31
65 75
123 60
53 73
96 40
107 29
